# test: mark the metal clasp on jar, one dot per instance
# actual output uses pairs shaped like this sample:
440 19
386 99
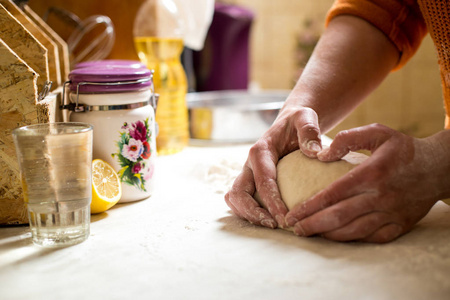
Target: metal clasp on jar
79 107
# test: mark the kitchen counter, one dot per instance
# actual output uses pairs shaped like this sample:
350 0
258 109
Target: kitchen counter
184 243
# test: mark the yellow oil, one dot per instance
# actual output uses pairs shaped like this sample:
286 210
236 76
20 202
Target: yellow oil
163 56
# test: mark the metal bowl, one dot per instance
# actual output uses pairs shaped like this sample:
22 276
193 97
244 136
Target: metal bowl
232 116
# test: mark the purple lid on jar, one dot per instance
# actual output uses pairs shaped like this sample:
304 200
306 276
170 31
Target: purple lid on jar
101 78
110 62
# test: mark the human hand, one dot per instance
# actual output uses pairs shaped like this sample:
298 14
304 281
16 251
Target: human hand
326 91
293 129
383 197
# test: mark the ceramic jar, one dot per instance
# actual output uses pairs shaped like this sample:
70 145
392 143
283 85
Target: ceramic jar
117 99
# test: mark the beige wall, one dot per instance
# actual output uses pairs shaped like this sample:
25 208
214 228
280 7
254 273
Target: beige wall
409 100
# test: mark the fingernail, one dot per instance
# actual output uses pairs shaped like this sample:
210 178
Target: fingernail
314 146
269 223
291 221
323 153
281 221
298 230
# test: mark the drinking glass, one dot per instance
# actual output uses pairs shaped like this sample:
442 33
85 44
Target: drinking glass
55 166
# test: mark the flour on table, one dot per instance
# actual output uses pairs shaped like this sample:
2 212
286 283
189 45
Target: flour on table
219 175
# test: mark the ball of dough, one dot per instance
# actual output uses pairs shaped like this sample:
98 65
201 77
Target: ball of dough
300 177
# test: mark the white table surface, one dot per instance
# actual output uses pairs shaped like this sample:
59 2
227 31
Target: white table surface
184 243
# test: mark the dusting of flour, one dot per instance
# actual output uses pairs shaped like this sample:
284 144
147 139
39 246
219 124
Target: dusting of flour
218 175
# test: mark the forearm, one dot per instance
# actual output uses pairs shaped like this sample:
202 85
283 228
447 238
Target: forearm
350 61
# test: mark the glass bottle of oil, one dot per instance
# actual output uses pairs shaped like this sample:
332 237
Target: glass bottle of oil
159 44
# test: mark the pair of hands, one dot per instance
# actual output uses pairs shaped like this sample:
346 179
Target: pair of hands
377 201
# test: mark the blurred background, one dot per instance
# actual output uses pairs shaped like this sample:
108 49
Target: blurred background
281 36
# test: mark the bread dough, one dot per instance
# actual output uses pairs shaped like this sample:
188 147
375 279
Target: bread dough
300 177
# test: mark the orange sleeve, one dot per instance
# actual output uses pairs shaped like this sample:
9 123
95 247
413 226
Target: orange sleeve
400 21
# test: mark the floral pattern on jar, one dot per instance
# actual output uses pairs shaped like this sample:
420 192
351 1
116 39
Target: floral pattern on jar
134 152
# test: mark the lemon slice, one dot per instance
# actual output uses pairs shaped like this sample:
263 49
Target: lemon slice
106 186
